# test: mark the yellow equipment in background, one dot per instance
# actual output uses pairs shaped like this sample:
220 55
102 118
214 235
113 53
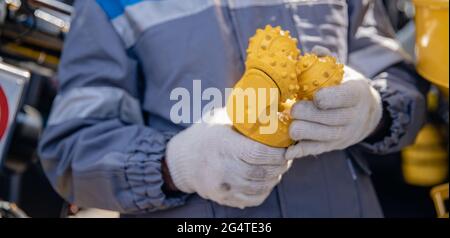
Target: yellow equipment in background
426 162
432 42
274 62
439 195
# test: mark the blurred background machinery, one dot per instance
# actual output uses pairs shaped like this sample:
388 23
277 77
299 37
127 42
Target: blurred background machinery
414 183
31 38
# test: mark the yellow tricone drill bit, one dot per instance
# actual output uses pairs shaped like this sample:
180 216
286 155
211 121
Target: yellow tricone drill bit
276 77
316 73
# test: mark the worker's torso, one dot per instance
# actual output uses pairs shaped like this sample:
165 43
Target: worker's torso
177 42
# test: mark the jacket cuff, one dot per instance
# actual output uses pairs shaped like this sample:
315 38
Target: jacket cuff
144 174
397 104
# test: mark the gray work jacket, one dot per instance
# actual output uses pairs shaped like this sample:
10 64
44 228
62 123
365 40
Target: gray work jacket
110 122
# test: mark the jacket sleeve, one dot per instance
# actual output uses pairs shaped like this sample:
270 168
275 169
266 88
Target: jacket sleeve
374 51
96 150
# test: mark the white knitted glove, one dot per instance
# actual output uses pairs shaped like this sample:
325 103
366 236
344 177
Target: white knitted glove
337 118
216 162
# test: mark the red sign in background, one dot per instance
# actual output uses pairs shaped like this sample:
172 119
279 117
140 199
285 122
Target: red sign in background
3 113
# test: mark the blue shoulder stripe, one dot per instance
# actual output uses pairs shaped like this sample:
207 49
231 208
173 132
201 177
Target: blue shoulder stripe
115 8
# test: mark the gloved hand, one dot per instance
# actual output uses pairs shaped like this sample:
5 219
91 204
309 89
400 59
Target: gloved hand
337 118
216 162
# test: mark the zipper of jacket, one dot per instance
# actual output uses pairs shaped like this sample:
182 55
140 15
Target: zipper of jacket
355 183
352 169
